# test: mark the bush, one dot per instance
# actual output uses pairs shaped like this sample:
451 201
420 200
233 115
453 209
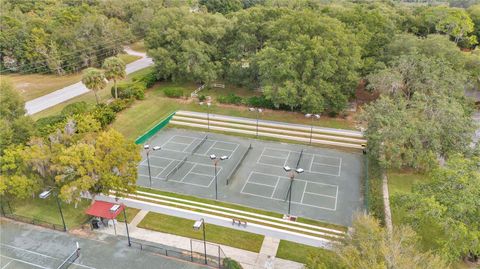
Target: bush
128 90
48 125
259 101
231 98
173 92
231 264
202 98
104 114
75 108
148 79
120 104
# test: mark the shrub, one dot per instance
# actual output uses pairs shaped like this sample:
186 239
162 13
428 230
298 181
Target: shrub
148 79
103 114
259 101
173 92
231 98
75 108
202 98
231 264
48 125
129 89
120 104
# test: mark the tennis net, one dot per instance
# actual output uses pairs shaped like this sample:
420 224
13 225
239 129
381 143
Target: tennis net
299 158
176 168
71 259
199 144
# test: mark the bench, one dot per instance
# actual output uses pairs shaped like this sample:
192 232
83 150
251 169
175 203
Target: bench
239 222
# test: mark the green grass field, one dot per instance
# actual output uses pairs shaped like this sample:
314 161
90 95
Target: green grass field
297 252
47 210
131 213
214 233
127 58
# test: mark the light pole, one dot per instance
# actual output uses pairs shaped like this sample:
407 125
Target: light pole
196 226
45 195
147 148
291 174
312 116
258 111
208 115
215 160
126 226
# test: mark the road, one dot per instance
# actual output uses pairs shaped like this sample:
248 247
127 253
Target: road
74 90
27 246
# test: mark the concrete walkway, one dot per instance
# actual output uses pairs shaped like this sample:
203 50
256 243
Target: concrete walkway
248 259
266 257
74 90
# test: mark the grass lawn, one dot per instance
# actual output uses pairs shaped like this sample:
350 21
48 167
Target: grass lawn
47 210
156 106
31 86
127 58
297 252
214 233
403 181
138 46
131 213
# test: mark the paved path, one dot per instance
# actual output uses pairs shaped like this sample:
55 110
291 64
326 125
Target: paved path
246 258
266 257
222 221
28 246
74 90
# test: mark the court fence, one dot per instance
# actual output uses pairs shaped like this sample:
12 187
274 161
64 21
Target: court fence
215 257
146 136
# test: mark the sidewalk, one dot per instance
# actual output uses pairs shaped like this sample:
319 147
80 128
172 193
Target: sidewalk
59 96
248 259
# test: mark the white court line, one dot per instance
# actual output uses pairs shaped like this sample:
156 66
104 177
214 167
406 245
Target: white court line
293 202
213 179
318 194
206 152
43 255
340 167
5 266
311 163
286 160
324 164
188 172
275 189
261 184
152 165
200 174
336 199
276 157
22 261
303 194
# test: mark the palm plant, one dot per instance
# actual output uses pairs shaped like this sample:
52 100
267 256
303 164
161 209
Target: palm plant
95 80
114 70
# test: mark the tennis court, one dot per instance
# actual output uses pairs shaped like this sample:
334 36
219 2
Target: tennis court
327 189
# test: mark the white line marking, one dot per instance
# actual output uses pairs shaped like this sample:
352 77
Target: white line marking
22 261
275 189
276 157
286 160
261 184
187 172
318 194
213 179
152 165
5 266
304 191
340 167
200 174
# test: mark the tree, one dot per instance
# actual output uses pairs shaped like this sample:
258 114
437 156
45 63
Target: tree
114 69
422 114
368 245
184 45
221 6
309 57
447 206
16 127
95 80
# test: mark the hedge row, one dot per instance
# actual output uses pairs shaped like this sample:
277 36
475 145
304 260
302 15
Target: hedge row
136 88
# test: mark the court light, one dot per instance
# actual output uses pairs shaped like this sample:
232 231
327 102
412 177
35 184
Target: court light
299 170
213 156
224 158
146 146
198 224
157 148
287 168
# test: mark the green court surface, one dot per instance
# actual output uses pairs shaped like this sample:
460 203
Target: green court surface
328 189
